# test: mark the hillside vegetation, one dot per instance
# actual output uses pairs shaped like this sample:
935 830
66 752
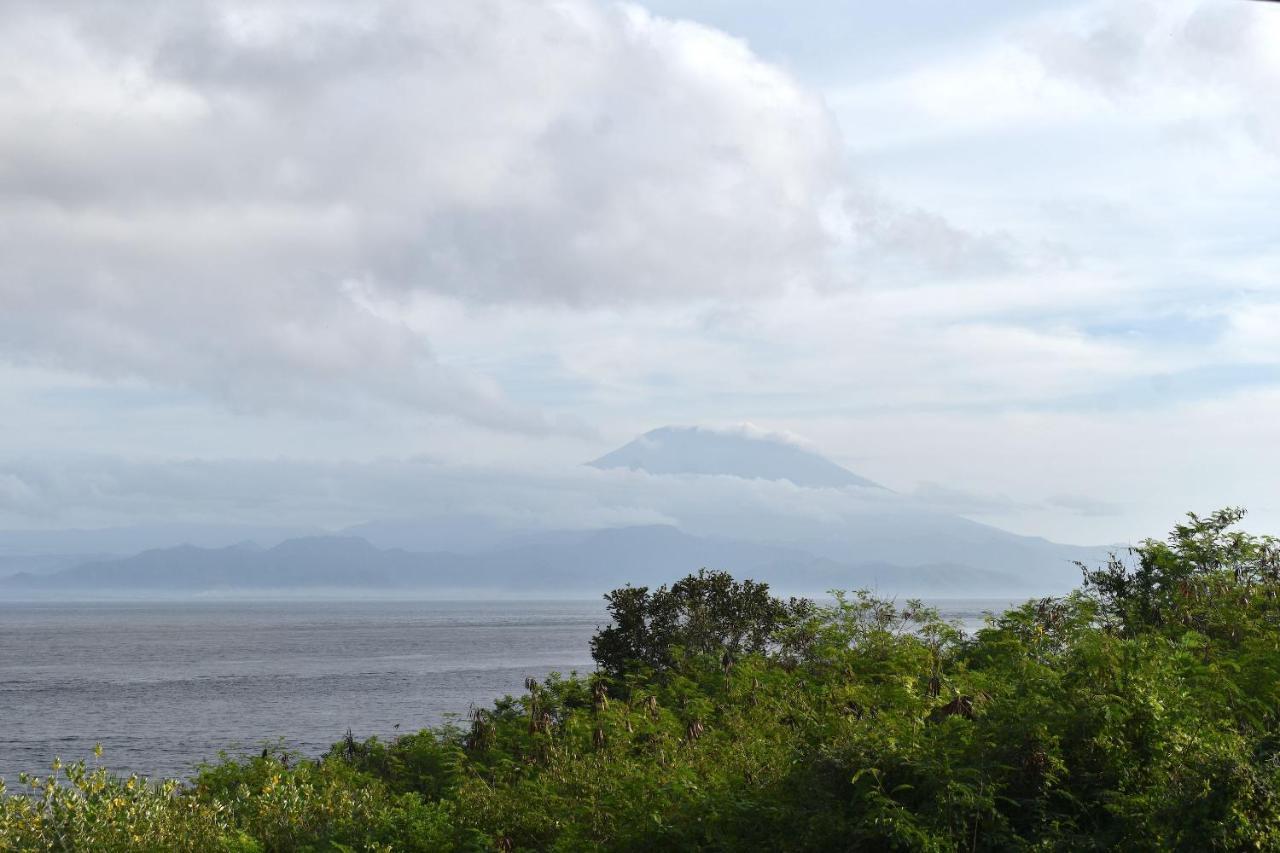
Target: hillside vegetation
1141 712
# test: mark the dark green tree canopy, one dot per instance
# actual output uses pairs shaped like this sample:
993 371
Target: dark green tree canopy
709 613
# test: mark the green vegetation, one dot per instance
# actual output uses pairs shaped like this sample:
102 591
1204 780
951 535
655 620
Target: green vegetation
1140 713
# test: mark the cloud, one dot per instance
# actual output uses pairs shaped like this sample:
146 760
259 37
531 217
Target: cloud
1124 49
1035 265
1207 69
212 196
1084 505
18 498
1073 476
973 504
93 491
949 499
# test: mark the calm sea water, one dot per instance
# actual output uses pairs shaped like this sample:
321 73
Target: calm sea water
163 686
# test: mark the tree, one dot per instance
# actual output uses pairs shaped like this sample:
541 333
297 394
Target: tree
704 614
1206 576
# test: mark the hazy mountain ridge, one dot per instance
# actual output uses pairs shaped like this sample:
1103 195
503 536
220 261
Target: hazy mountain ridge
880 540
131 539
598 561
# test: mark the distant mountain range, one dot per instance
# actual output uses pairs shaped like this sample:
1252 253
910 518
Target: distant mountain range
20 545
581 564
888 544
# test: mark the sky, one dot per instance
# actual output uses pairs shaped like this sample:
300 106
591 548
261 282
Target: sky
328 262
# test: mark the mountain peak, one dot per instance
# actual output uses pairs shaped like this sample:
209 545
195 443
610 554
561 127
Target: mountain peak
747 453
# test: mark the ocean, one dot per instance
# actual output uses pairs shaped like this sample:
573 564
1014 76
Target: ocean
163 686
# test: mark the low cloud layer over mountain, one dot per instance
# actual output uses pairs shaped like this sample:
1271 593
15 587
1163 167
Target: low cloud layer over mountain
745 501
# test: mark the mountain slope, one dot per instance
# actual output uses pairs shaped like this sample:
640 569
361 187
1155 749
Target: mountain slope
697 450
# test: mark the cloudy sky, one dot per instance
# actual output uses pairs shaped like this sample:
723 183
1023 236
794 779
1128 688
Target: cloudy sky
329 262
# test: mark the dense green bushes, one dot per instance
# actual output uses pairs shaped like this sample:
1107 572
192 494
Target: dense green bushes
1139 713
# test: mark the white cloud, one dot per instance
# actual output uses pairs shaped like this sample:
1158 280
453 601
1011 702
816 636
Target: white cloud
199 195
533 214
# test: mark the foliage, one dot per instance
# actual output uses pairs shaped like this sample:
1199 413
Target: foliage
1206 577
1139 713
706 613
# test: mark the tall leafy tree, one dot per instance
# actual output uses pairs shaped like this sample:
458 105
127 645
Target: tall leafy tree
709 613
